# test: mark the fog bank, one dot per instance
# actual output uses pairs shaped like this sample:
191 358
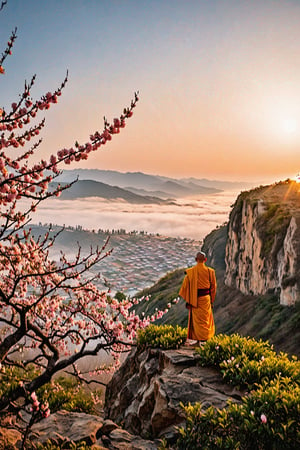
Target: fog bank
191 217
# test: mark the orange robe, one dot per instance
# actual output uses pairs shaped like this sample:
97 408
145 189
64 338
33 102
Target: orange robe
201 324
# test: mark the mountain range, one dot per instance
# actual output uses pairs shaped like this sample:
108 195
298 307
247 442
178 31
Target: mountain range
91 188
137 187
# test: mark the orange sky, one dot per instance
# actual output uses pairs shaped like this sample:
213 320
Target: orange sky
218 80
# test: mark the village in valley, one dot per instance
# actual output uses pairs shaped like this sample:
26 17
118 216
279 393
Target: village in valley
140 260
137 259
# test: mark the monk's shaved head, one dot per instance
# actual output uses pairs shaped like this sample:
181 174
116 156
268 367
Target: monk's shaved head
201 256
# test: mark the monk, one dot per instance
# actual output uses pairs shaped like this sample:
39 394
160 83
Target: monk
199 290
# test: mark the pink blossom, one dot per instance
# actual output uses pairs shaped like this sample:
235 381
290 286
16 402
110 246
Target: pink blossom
36 404
33 396
53 159
263 418
38 286
117 123
106 134
10 197
46 413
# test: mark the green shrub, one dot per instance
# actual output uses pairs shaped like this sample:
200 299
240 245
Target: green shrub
279 401
161 336
242 371
61 393
224 347
208 429
11 376
267 418
246 362
66 393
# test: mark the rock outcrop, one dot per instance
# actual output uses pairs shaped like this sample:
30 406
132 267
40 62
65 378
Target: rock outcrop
65 426
263 243
145 394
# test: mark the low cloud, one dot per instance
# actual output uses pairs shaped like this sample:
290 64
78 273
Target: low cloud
193 217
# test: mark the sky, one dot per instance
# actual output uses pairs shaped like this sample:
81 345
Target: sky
218 81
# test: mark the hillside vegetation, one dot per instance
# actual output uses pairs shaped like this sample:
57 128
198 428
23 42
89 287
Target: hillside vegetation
256 316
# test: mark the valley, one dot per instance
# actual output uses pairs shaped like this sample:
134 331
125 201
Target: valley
137 260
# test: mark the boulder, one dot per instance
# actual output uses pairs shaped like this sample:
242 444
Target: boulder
68 425
65 426
145 394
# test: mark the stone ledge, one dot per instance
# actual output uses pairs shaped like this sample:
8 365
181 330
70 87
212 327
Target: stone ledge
153 384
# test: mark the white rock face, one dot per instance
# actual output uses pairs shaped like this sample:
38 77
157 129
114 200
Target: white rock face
287 265
249 268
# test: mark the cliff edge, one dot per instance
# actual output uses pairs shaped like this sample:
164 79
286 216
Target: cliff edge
146 393
263 243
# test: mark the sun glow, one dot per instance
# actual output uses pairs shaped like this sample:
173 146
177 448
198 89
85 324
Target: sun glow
290 125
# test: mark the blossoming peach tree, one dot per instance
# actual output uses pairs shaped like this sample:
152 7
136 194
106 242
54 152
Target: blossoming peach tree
51 313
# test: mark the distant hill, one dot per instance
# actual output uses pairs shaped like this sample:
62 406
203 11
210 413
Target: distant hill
182 190
174 190
112 177
159 194
217 184
90 188
152 184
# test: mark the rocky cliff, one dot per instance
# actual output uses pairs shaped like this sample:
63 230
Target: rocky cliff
263 242
145 394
